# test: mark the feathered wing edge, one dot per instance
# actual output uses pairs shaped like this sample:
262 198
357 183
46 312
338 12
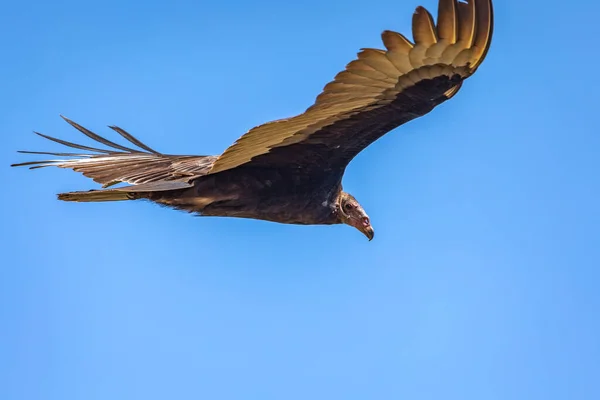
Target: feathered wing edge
120 163
456 46
93 136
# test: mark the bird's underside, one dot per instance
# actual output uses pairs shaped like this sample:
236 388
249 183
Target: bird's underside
290 170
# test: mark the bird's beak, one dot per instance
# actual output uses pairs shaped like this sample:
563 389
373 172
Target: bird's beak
369 232
363 225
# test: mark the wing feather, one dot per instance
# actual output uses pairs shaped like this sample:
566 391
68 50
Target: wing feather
483 37
377 60
121 163
447 21
423 28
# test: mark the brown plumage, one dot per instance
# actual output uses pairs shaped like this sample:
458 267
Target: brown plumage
290 170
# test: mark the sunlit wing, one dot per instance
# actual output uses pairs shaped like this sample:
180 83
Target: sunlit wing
377 92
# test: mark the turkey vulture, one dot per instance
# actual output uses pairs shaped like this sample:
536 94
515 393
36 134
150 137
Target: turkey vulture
290 170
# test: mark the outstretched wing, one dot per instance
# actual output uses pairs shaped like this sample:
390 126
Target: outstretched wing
123 164
376 93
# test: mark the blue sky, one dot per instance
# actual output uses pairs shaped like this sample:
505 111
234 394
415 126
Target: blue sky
482 281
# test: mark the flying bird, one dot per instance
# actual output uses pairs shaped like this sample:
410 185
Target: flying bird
290 170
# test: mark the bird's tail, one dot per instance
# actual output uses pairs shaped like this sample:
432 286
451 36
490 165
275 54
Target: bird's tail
96 195
143 191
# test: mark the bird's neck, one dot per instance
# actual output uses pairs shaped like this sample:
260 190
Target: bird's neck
335 205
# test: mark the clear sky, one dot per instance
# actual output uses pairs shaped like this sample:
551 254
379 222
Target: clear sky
481 283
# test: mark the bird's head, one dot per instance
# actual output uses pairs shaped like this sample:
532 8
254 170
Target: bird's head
351 213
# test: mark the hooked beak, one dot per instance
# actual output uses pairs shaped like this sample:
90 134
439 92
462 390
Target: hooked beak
364 225
368 232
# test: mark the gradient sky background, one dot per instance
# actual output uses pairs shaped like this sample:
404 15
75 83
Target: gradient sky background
482 281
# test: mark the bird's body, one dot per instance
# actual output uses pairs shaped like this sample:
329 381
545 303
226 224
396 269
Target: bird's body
290 170
259 193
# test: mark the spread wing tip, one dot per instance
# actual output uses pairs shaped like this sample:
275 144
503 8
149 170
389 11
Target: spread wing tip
113 147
